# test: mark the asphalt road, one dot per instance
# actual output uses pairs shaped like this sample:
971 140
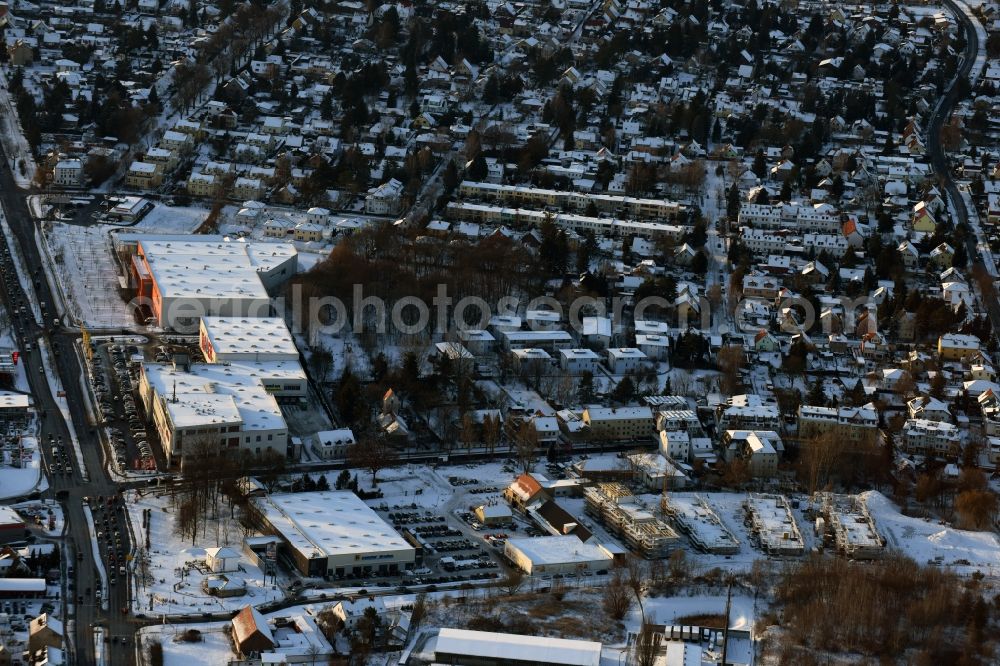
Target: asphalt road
939 161
76 485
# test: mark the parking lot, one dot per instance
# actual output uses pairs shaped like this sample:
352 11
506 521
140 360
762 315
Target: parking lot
449 554
114 375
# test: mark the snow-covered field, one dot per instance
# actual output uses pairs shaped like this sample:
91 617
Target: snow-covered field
666 610
929 542
214 647
172 219
177 567
19 481
84 265
400 485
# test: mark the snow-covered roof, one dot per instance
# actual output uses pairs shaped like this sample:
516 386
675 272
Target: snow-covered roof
331 523
513 648
261 337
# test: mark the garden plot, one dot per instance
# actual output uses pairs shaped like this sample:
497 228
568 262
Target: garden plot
171 582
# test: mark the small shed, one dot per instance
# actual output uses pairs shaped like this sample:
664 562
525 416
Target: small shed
222 559
494 514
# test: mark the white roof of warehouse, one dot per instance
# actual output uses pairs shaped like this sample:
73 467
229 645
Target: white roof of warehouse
249 335
189 267
215 393
558 550
513 647
330 523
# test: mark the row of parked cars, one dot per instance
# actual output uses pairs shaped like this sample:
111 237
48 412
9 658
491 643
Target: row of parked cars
125 370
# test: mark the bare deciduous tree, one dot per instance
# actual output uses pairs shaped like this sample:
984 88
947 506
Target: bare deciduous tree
636 578
647 645
617 599
976 508
526 443
373 454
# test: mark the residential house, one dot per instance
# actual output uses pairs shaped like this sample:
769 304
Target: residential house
761 449
68 173
928 408
144 176
251 634
957 347
622 360
578 361
850 424
619 424
384 199
936 438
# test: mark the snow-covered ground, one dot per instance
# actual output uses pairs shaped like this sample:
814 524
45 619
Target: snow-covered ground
213 648
400 485
929 542
85 267
165 219
176 566
20 481
306 260
667 610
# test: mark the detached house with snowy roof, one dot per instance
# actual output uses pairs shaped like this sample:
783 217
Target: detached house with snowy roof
525 490
942 256
384 199
251 635
923 218
957 346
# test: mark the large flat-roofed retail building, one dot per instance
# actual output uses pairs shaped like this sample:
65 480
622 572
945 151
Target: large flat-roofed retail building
556 555
184 278
211 407
334 533
235 339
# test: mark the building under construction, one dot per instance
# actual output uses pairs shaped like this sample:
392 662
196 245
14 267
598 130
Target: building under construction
694 518
772 525
628 519
846 522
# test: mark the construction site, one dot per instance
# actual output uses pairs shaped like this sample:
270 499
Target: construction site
772 525
629 519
